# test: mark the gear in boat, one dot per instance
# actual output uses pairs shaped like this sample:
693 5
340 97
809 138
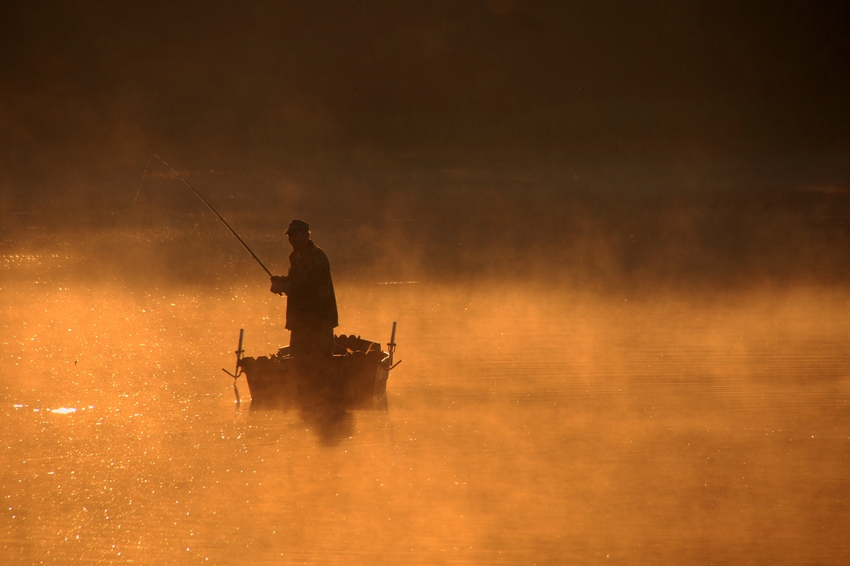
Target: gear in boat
354 378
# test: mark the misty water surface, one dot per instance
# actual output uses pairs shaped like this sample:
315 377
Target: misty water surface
628 338
526 425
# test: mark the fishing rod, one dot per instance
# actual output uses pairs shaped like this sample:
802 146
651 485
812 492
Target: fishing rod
216 213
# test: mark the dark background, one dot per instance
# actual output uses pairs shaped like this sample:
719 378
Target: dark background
601 143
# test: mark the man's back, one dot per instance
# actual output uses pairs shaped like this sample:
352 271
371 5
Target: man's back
311 298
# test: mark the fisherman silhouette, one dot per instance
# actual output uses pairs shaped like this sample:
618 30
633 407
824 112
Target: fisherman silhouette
311 313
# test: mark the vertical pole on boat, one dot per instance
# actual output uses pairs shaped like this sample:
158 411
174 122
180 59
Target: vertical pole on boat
239 352
238 372
383 373
391 347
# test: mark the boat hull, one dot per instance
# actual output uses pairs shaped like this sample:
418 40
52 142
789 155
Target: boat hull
352 380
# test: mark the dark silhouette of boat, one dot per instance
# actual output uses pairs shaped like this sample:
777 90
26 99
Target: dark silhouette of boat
354 378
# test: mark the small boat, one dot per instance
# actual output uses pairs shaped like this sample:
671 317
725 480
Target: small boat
354 378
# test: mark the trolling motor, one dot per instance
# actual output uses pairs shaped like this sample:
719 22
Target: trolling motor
239 352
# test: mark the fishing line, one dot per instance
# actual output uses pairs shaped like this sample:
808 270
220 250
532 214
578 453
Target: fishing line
216 213
142 182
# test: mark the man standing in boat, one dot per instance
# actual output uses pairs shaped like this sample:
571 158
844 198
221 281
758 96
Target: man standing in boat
311 313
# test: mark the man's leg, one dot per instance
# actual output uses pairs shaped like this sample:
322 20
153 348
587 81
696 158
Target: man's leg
309 348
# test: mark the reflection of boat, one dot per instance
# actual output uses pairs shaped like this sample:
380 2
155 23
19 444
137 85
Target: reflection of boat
354 378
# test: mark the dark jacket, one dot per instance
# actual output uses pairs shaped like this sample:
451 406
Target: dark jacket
311 301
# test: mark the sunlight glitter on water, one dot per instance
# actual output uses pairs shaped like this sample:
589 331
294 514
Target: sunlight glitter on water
547 426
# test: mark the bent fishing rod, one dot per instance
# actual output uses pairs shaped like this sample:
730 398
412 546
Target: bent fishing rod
216 213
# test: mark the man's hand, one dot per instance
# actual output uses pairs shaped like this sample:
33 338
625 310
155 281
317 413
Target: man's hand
280 284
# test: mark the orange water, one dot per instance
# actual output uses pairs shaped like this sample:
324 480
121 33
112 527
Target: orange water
526 425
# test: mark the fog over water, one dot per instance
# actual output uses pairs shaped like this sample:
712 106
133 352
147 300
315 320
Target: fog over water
616 240
525 425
